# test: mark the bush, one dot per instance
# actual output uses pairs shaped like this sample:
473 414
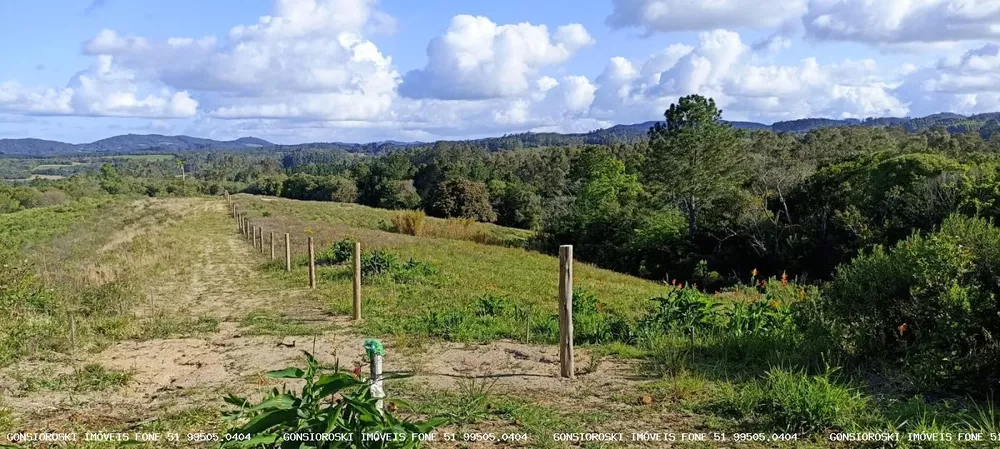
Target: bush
302 186
796 402
337 253
685 310
270 186
409 222
378 264
928 305
331 401
461 198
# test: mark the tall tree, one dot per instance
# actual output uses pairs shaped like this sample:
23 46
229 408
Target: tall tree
694 158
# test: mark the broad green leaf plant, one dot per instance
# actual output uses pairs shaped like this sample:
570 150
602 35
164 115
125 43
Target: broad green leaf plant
334 403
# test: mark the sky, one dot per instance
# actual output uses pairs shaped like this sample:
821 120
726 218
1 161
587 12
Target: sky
293 71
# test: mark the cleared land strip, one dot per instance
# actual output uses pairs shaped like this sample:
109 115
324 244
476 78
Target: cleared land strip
243 326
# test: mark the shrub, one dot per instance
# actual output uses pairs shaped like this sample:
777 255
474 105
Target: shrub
337 253
760 317
272 186
331 401
928 305
409 222
377 264
685 310
461 198
489 305
797 402
399 194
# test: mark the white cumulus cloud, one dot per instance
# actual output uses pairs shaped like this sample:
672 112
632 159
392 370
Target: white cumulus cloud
478 59
686 15
903 21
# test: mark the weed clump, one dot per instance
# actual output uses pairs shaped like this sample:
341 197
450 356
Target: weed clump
338 253
379 265
331 401
797 402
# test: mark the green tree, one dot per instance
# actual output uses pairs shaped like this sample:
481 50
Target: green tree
515 204
461 198
694 158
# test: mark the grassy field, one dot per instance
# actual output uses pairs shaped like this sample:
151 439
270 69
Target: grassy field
172 307
472 293
142 157
455 281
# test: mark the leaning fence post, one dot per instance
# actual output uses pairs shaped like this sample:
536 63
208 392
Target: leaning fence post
357 281
566 311
272 245
288 254
312 265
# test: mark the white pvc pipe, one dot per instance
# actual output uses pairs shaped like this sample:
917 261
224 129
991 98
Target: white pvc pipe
376 380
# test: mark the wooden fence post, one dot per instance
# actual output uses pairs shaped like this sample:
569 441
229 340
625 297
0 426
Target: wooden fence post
357 281
272 245
312 265
566 311
72 333
288 254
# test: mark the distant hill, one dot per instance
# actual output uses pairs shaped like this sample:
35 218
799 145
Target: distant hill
128 143
985 124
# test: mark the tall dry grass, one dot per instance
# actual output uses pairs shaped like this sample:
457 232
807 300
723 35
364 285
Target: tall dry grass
410 222
460 229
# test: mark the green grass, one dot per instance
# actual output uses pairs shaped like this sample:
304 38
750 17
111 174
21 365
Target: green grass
50 166
89 378
363 217
143 157
6 419
91 260
473 407
793 401
723 380
170 325
444 296
267 322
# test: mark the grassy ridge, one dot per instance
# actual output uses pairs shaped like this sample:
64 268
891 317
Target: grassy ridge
364 217
721 379
462 276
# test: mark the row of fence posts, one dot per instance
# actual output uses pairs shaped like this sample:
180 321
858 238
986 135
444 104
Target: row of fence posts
566 362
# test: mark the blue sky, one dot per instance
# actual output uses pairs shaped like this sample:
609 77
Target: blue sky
360 70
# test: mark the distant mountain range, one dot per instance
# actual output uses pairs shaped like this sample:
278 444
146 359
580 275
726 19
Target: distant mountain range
985 124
